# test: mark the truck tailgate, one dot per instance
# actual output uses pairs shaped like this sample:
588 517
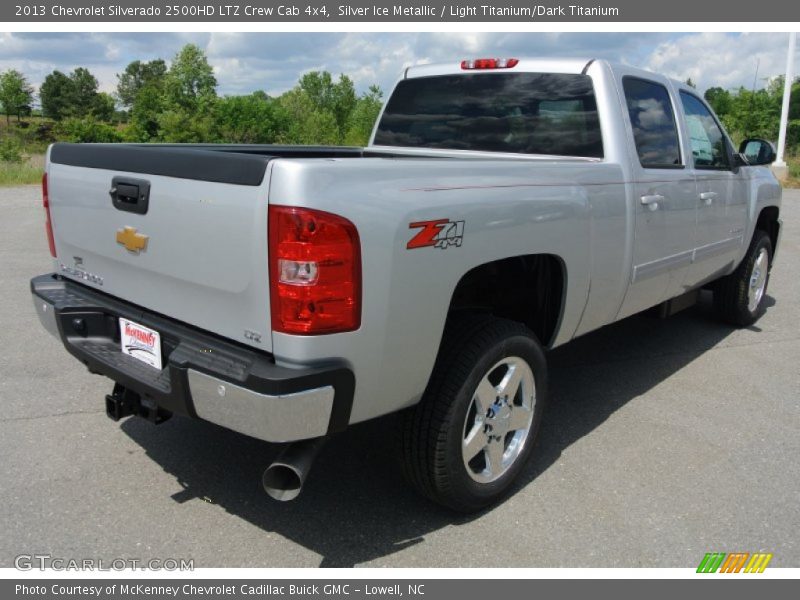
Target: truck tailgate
204 259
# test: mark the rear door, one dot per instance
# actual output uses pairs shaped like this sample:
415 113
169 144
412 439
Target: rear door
721 198
197 252
665 196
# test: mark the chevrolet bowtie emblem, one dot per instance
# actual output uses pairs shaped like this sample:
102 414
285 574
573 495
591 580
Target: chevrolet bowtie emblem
133 242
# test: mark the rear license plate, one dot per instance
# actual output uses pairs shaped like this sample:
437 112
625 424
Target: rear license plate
140 343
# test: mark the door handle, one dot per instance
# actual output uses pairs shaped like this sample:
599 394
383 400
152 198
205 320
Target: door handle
130 195
651 201
708 197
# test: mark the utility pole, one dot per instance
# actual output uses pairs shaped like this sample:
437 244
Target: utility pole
779 166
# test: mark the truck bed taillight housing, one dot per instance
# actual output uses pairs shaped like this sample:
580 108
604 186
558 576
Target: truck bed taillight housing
48 223
315 271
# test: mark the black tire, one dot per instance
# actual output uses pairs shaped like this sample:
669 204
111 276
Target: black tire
731 293
431 433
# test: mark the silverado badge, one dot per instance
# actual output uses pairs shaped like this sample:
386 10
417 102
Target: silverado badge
133 242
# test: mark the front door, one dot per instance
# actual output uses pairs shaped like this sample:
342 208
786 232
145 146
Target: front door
721 198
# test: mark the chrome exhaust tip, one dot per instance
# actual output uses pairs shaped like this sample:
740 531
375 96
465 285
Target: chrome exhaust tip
283 480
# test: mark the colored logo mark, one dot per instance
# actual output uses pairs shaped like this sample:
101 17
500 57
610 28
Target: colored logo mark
736 562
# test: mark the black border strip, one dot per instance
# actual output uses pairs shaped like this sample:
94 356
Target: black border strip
195 163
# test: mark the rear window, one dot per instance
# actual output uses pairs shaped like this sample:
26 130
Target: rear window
653 122
524 113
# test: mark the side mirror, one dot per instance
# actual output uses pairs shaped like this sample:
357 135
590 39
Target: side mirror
757 151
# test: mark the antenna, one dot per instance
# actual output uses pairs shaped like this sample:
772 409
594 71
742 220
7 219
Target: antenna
752 100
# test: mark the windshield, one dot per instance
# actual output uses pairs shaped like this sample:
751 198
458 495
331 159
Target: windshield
524 113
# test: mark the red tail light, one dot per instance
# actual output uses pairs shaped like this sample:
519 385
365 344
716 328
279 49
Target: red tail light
315 271
48 223
489 63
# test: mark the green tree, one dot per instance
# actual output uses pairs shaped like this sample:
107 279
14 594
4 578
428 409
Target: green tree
246 119
775 90
748 113
136 76
190 80
794 102
326 96
753 114
183 127
84 86
86 130
144 114
719 99
11 150
56 95
74 95
104 106
188 100
16 94
363 117
304 123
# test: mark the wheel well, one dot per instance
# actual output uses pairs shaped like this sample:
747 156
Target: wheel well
768 221
526 288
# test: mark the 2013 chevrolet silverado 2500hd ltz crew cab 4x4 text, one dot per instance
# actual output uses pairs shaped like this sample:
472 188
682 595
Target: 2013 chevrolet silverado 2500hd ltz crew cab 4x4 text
503 207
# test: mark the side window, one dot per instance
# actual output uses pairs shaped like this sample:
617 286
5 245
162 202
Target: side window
653 121
708 142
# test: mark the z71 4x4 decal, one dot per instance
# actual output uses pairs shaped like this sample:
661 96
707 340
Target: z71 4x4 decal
441 233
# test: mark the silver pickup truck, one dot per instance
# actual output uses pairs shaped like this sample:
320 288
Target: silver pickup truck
502 208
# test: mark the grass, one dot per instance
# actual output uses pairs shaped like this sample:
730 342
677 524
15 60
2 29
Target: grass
22 173
25 140
793 181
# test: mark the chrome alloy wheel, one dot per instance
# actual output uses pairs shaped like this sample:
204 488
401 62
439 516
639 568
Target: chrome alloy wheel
499 419
758 280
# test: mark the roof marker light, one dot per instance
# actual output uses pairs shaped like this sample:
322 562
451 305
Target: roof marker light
489 63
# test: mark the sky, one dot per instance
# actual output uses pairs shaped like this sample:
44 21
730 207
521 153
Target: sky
273 62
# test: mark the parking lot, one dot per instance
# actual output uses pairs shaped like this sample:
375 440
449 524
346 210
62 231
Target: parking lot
663 440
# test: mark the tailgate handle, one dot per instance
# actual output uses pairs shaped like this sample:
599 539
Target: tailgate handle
130 195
